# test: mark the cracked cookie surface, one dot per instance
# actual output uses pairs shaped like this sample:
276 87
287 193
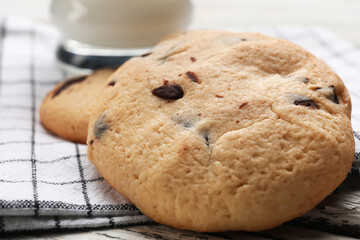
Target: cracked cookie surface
66 110
217 131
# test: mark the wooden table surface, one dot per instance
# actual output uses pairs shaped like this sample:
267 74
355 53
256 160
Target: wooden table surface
338 216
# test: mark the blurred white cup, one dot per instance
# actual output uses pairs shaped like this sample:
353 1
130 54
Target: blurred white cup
119 23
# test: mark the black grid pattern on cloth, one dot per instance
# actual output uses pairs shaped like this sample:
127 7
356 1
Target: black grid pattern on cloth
33 120
32 136
28 204
83 182
64 158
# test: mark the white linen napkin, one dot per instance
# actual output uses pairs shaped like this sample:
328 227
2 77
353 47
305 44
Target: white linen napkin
48 183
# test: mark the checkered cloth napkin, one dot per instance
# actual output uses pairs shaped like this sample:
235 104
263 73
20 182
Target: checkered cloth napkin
48 183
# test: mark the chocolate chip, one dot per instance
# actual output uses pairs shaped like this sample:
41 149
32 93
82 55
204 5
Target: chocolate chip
68 83
112 83
192 76
171 91
307 103
205 135
329 93
333 97
100 126
219 96
146 54
243 105
193 59
303 79
91 142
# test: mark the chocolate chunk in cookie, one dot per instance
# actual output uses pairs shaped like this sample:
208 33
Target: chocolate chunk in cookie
170 92
112 83
68 83
146 54
100 126
307 103
333 97
193 77
243 105
205 135
329 92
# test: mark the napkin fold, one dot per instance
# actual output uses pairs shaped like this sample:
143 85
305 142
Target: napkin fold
48 183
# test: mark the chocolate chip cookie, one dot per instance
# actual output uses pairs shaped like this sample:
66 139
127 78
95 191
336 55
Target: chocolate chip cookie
218 131
66 110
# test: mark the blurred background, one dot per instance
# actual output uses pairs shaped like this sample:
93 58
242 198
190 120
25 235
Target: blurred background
340 16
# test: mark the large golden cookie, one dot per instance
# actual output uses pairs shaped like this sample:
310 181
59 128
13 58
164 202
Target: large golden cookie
216 131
